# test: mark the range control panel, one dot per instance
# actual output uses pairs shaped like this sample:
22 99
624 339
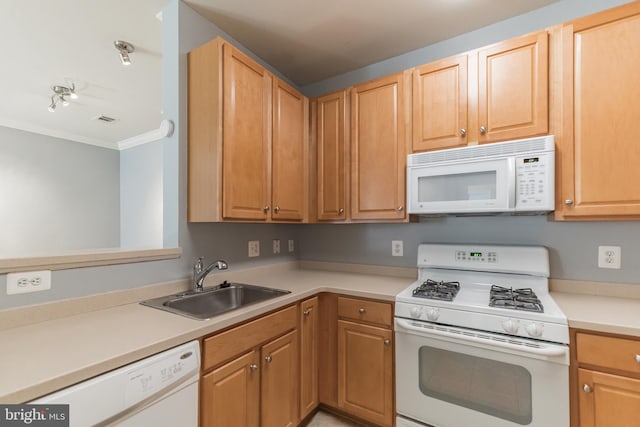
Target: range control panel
476 256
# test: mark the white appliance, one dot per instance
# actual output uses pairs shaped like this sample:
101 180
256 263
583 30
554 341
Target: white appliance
161 390
504 177
495 355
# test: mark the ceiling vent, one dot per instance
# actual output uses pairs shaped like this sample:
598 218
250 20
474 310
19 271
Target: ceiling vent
103 118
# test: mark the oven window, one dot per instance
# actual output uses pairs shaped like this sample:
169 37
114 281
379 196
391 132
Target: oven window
458 187
494 388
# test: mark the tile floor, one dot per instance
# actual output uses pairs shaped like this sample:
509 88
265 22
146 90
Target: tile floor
323 419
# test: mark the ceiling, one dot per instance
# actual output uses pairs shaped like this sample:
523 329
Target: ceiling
311 40
60 42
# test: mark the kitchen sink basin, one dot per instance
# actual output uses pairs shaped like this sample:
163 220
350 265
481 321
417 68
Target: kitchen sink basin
214 301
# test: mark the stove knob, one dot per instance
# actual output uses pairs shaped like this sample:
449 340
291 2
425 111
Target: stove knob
415 312
433 314
511 326
535 329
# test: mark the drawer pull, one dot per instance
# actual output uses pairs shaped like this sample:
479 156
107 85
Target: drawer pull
637 358
586 388
268 359
387 342
253 367
307 312
361 311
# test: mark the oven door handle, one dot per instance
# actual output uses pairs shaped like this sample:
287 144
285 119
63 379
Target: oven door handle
481 338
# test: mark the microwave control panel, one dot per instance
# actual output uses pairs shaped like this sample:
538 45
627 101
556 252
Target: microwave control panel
534 181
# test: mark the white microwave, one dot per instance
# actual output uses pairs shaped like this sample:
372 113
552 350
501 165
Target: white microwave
505 177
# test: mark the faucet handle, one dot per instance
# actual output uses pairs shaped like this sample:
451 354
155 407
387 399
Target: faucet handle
198 265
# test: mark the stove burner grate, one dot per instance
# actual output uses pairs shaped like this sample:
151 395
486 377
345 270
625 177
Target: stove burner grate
515 299
431 289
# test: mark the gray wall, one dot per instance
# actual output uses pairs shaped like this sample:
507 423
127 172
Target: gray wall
56 195
183 29
141 196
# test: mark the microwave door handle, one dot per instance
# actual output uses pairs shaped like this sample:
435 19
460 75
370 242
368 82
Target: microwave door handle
511 182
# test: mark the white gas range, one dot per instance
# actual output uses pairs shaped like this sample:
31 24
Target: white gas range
479 340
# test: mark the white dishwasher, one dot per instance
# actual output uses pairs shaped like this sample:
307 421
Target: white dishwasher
161 390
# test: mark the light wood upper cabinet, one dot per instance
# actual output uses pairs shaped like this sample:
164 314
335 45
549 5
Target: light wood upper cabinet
248 140
513 88
308 331
497 93
379 132
290 174
247 137
330 136
440 104
599 149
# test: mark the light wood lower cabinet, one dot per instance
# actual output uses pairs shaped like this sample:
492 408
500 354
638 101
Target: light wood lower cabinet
365 363
259 385
308 332
231 393
279 382
605 382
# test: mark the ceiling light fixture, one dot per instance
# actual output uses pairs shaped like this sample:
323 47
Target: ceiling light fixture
59 96
125 48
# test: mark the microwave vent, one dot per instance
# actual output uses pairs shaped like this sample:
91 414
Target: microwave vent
498 149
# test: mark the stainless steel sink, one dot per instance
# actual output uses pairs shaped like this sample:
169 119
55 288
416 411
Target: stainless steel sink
214 301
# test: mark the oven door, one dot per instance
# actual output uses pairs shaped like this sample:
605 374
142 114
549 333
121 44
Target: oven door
454 377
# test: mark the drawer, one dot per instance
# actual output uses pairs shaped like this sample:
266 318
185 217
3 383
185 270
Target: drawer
363 310
608 352
222 347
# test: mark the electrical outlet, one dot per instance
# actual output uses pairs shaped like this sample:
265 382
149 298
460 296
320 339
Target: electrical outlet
609 256
397 248
291 246
276 246
254 248
32 281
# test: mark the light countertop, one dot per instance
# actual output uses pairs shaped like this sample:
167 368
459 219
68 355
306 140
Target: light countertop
106 333
40 358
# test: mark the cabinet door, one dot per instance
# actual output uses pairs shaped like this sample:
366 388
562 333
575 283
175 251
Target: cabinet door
378 148
247 137
513 88
230 394
608 400
599 148
331 156
290 153
440 104
365 374
280 381
308 356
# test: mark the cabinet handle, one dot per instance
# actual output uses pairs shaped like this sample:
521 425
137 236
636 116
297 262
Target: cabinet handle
266 209
586 388
307 312
387 342
340 211
361 311
253 367
637 358
568 202
276 209
400 208
268 359
483 130
463 132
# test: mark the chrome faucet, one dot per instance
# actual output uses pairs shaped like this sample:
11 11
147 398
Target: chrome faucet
200 273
